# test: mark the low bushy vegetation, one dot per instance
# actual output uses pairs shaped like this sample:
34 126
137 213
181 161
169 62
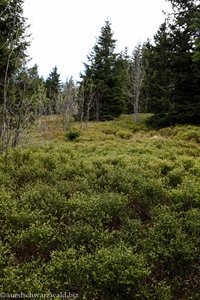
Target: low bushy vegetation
72 135
113 216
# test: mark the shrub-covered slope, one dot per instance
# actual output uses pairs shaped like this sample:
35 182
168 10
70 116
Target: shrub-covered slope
111 214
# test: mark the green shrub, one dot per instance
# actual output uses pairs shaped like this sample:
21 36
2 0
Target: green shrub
45 198
72 135
35 242
190 135
125 135
27 277
109 131
111 273
173 252
105 209
168 131
187 196
107 118
175 177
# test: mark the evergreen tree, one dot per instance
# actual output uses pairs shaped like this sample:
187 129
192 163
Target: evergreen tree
13 45
173 71
196 27
28 86
184 73
157 78
103 72
13 42
54 87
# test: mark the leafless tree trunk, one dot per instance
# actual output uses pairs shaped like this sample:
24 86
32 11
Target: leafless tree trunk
86 101
98 97
69 106
135 78
138 78
21 120
90 100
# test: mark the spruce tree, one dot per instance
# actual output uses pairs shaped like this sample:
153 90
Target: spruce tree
103 72
157 79
173 72
13 43
196 27
54 87
186 77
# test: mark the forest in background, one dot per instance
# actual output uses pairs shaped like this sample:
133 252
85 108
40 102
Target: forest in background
160 77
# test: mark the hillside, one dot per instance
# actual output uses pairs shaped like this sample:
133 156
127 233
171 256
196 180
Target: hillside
107 211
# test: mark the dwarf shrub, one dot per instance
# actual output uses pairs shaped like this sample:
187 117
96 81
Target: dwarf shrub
125 135
72 135
109 217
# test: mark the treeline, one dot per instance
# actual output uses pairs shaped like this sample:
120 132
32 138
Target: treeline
161 77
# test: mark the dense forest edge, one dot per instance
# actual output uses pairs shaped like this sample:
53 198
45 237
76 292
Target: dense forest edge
160 77
99 178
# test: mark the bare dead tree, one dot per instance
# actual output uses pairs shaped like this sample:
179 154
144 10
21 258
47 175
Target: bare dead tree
42 101
136 76
20 119
67 103
90 99
97 101
81 103
87 101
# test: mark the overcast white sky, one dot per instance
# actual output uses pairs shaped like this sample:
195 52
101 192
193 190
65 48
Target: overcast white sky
65 31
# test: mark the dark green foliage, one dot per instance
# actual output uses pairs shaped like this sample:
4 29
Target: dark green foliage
72 135
196 26
18 84
13 42
157 78
172 78
53 87
104 72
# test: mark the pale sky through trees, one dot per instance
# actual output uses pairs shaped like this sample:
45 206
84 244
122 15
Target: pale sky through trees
64 31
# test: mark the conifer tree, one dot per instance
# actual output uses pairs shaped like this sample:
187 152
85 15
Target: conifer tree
157 78
196 27
13 45
173 67
102 71
54 87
